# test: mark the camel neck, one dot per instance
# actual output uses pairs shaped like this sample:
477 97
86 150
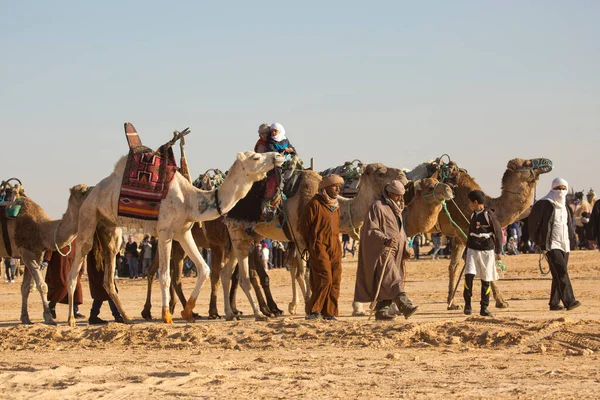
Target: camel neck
510 205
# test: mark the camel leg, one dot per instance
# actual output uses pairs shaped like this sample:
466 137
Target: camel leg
110 239
176 265
241 242
457 251
358 309
256 285
226 275
235 279
264 282
165 243
189 246
216 266
84 245
146 314
25 290
293 263
32 266
500 303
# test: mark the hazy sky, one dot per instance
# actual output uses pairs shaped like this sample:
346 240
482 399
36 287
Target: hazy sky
395 82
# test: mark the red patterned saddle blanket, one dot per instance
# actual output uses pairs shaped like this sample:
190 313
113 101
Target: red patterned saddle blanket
146 180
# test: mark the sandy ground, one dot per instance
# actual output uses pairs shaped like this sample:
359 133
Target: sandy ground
524 352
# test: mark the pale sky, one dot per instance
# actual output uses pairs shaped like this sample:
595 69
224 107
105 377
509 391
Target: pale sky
396 82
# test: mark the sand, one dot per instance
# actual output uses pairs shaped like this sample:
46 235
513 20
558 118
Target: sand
525 351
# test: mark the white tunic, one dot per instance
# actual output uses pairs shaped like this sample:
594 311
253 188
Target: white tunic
482 264
559 237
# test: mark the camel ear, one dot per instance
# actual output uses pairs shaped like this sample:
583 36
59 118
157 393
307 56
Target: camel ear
382 170
512 165
417 186
370 169
241 156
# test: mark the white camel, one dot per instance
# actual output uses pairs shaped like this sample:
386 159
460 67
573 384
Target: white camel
182 206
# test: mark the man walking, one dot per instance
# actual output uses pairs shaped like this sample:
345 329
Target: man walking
551 227
320 228
382 254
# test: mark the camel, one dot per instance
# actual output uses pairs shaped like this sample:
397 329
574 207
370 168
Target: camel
182 206
518 187
31 234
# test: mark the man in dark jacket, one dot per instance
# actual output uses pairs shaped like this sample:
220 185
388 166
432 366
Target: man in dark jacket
551 227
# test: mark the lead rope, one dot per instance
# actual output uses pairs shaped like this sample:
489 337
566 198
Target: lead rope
56 245
350 218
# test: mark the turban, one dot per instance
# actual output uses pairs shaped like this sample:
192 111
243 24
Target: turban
559 182
330 180
395 187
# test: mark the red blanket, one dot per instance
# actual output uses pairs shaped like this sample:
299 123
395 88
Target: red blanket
146 180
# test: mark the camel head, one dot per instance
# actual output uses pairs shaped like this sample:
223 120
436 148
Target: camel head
591 196
78 195
256 165
519 171
378 175
431 188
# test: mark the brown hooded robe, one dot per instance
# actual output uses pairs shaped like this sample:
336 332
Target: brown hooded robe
380 224
320 228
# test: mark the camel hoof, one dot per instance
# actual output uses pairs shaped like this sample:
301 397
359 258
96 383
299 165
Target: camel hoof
187 315
147 315
260 318
214 316
72 323
26 321
196 316
359 314
454 307
278 312
501 304
238 318
229 317
238 313
292 308
167 317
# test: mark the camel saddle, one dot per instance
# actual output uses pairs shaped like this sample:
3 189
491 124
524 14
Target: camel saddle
11 195
351 172
147 177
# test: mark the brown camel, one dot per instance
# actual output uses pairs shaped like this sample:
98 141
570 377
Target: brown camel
518 184
31 233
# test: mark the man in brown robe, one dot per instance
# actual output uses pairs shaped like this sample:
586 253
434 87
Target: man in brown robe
383 234
320 228
57 279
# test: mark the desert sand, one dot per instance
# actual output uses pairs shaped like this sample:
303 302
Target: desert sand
525 351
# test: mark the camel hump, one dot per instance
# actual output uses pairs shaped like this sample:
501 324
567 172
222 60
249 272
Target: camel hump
133 139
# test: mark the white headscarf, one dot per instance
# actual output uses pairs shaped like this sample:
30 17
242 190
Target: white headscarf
558 197
281 135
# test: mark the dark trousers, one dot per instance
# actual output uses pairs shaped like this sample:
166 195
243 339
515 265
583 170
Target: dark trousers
416 249
561 289
97 304
10 272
